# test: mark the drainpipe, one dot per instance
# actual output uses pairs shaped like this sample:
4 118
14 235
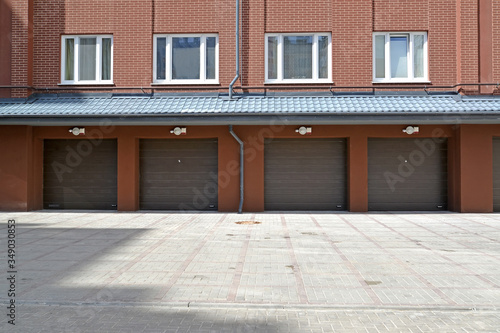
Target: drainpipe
240 208
237 50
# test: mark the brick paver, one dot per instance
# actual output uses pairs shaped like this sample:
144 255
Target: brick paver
169 272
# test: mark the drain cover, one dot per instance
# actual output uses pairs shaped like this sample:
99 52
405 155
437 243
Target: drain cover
248 222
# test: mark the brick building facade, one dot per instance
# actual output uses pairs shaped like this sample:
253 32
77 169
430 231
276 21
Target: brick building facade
340 105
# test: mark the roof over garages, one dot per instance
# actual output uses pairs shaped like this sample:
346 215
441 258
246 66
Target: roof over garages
213 110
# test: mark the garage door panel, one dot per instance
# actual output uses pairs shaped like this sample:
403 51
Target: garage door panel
92 182
402 177
305 174
316 177
178 174
407 206
187 177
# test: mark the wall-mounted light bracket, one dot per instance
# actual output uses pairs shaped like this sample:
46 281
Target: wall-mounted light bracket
411 130
304 130
77 131
179 131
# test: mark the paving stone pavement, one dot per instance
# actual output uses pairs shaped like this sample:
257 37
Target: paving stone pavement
292 272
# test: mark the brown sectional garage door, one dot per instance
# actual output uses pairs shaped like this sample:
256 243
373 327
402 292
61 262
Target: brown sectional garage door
305 174
407 174
178 174
496 174
79 174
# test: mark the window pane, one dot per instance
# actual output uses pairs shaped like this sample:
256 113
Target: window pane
399 61
210 62
106 59
272 57
323 57
186 58
297 57
161 53
380 57
87 59
69 59
418 61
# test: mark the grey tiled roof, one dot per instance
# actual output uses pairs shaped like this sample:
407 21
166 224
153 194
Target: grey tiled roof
193 106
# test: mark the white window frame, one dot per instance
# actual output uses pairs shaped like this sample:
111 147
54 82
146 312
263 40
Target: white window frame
409 57
76 79
315 65
168 59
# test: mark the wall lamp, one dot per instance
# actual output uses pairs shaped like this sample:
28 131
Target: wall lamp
77 131
411 130
179 131
303 130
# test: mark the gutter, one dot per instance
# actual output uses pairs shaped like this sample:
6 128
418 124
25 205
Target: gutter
282 119
242 185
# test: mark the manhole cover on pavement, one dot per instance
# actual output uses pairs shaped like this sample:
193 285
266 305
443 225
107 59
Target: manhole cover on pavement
248 222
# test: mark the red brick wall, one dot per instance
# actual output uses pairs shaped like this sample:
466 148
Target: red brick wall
442 42
470 42
129 22
496 43
19 62
402 15
299 15
452 27
5 46
351 42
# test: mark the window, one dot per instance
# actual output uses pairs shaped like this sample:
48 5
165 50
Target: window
400 57
186 59
298 58
87 59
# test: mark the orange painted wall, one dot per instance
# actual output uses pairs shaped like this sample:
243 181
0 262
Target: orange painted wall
469 161
15 168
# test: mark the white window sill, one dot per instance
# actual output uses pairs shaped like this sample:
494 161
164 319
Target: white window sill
184 83
402 81
86 84
300 82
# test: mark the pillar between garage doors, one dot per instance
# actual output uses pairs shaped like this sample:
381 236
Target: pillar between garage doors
476 169
358 173
128 174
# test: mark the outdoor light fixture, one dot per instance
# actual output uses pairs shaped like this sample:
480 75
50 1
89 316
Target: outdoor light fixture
303 130
179 131
411 130
77 130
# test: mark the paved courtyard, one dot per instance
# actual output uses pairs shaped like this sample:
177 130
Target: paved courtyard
273 272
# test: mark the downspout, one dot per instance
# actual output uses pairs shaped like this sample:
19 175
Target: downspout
237 50
242 186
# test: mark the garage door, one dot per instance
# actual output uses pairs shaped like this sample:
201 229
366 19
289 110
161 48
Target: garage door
407 174
305 174
79 174
496 174
178 174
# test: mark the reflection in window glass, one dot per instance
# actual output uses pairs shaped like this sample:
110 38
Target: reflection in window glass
69 70
418 58
210 58
106 59
186 58
87 59
161 61
380 57
323 57
297 57
272 57
399 59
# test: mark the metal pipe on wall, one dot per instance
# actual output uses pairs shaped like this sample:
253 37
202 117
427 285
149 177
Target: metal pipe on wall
237 50
242 169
